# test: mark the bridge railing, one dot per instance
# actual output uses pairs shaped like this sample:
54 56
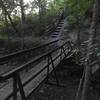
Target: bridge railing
21 52
15 59
54 23
49 61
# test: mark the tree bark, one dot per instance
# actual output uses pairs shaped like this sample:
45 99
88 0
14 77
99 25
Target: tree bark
6 24
5 9
42 11
23 19
78 25
86 84
22 11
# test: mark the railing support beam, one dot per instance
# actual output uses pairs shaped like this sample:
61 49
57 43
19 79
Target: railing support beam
53 66
21 88
17 84
15 87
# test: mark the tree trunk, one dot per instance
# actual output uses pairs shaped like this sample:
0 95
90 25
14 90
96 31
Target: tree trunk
42 11
78 25
90 56
22 23
78 33
6 24
22 11
5 9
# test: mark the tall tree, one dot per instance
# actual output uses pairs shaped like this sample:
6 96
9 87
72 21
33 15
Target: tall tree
21 3
90 53
7 13
22 6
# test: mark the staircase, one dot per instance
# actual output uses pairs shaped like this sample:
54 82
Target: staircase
54 30
58 30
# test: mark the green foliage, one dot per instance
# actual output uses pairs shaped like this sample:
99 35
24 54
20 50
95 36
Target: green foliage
46 11
77 8
71 19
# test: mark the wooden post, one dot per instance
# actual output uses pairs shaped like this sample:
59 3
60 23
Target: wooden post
54 70
61 55
48 68
15 87
21 88
17 82
64 51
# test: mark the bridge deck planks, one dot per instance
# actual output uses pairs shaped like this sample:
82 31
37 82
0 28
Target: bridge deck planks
67 88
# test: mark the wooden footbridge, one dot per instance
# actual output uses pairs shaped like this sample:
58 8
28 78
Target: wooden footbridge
50 75
45 63
46 72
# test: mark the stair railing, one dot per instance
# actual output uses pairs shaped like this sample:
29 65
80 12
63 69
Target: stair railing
51 27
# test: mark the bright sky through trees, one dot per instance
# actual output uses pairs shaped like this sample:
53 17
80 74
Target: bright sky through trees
28 1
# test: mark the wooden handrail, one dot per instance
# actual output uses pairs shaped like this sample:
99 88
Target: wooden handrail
15 72
21 52
22 67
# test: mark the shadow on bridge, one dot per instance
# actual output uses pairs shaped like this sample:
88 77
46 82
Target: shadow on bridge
50 76
68 75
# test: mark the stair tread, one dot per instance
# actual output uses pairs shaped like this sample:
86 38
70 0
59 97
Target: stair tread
57 30
54 34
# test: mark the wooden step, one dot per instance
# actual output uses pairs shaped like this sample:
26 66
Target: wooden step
55 34
57 30
58 27
61 23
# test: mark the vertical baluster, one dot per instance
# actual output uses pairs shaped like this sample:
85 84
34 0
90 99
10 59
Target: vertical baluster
60 54
21 88
48 68
54 70
64 51
15 87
